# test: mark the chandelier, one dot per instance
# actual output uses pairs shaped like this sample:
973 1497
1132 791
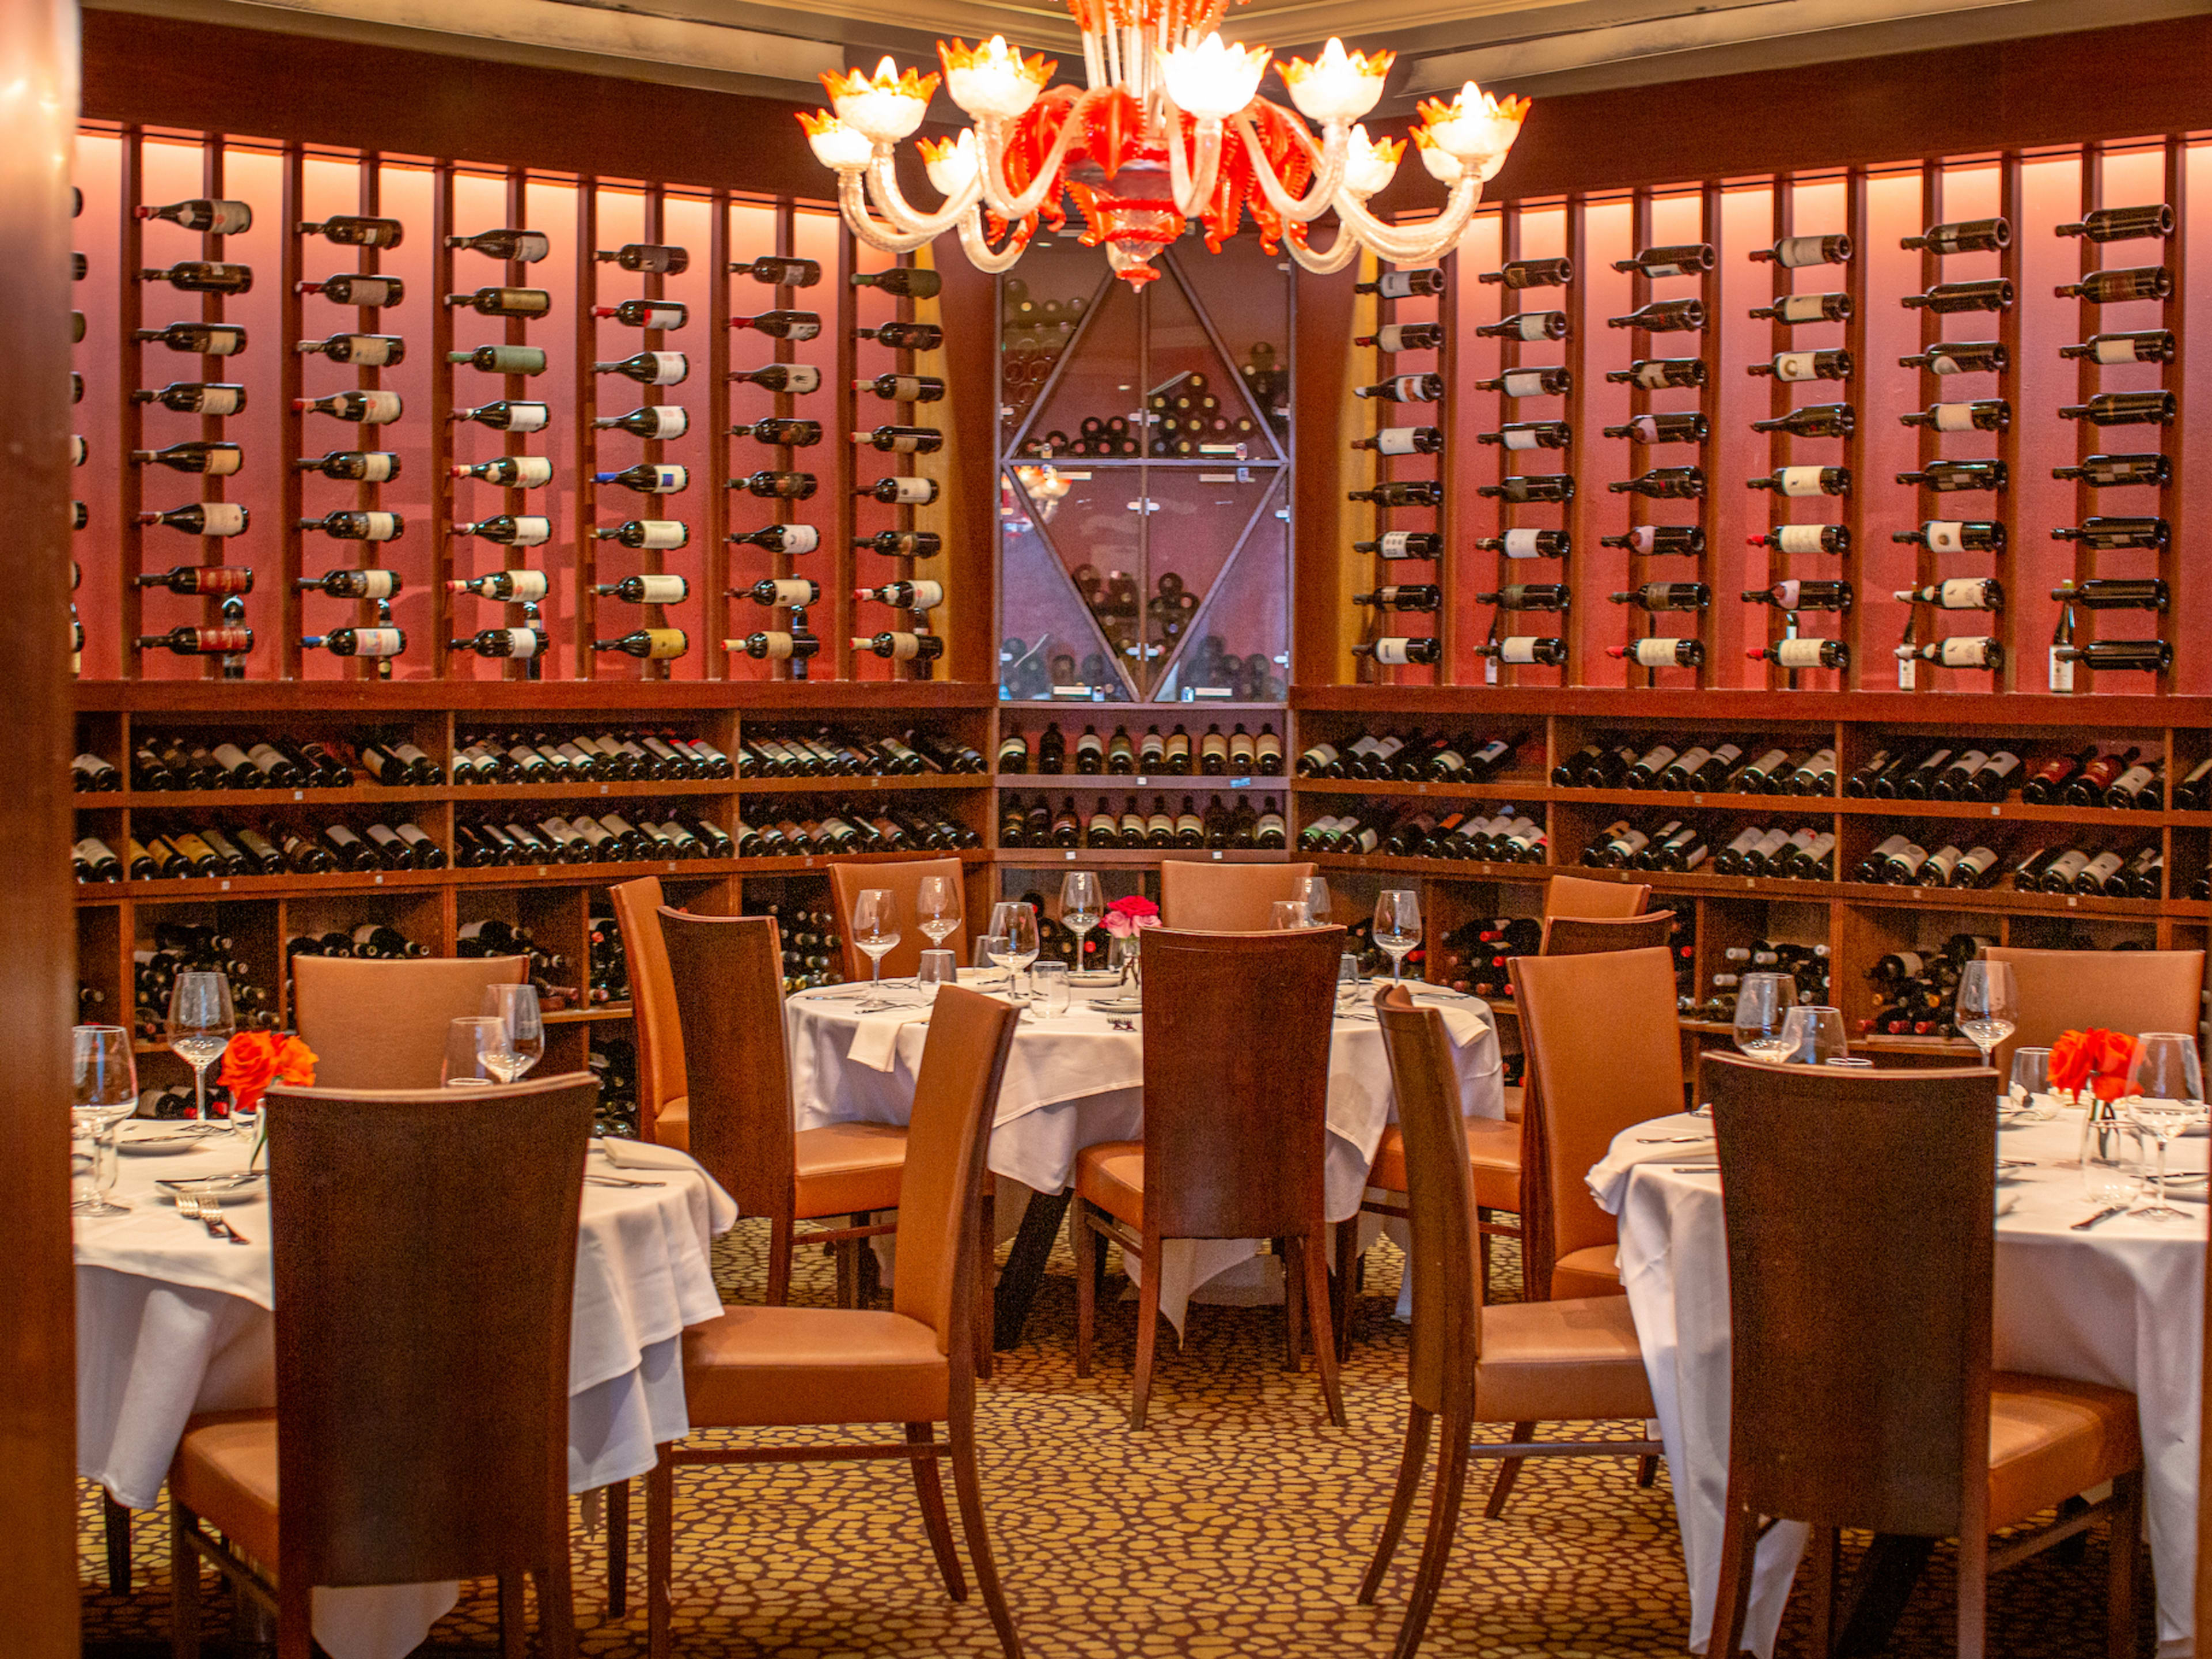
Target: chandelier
1167 127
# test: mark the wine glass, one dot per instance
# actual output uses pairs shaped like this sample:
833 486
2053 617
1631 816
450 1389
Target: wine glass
937 909
1813 1034
875 926
1313 889
998 950
2165 1096
1081 901
475 1052
1284 915
1022 937
1762 1002
1988 1005
104 1090
200 1025
1398 926
2029 1098
515 1008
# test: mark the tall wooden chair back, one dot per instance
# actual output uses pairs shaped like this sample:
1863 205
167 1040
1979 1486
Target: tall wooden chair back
1587 936
1236 1042
1578 896
661 1075
382 1024
904 881
727 978
1605 1051
424 1244
1225 898
2129 991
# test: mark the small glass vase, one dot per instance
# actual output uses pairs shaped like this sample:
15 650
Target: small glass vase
2111 1153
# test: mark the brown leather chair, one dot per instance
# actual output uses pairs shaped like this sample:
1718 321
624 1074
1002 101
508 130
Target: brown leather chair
904 879
1202 896
1237 1040
1588 936
664 1096
2128 991
422 1427
1605 1051
383 1025
804 1367
1859 1256
1578 896
1522 1364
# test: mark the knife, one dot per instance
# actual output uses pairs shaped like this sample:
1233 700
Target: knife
2104 1214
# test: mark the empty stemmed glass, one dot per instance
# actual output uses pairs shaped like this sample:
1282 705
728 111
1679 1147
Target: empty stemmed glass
2165 1096
875 927
1082 904
1022 937
515 1008
104 1090
1763 1001
999 951
1813 1034
1988 1005
1398 927
937 909
1313 889
201 1022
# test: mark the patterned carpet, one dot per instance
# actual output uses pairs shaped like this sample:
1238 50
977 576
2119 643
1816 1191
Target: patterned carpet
1236 1526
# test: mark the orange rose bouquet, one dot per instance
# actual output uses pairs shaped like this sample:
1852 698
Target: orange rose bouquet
257 1058
2094 1061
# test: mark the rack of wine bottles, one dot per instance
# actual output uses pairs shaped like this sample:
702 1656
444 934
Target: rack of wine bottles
1399 467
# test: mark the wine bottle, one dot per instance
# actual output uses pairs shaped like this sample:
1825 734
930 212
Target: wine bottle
210 217
1956 536
359 288
897 336
202 518
1813 421
1519 542
2108 288
2125 224
2114 593
651 259
1521 325
662 314
2124 409
793 434
2194 792
1397 651
510 471
1959 651
1660 540
1802 596
782 324
903 647
772 646
197 340
1992 295
1664 483
1680 426
362 351
905 596
1679 259
1805 539
200 642
651 644
515 246
2151 345
653 422
904 388
1965 236
649 478
1803 652
786 486
510 530
520 644
649 367
1518 274
2135 790
353 465
1948 477
1404 284
1403 389
1403 440
357 408
1404 492
1515 596
1794 253
644 533
907 282
353 584
1530 487
1958 593
1419 596
787 538
2150 656
1983 415
1547 382
1515 435
1660 651
648 589
1408 336
1665 596
779 271
1664 317
196 398
359 642
1525 648
203 276
1791 309
505 586
1794 366
505 301
213 459
1806 481
358 526
200 579
2113 534
1654 374
900 492
903 440
1960 357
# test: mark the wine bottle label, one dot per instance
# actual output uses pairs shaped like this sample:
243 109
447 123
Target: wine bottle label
383 526
1657 652
1800 480
369 350
373 584
1520 542
1522 438
2059 873
222 518
2114 349
662 590
905 647
1961 594
1652 373
1794 252
911 491
378 407
665 367
1954 417
654 532
376 466
1944 536
2132 781
1801 307
1798 653
222 399
1398 440
2100 868
1516 648
1524 383
378 641
1797 366
528 586
369 291
520 417
799 538
787 591
1798 538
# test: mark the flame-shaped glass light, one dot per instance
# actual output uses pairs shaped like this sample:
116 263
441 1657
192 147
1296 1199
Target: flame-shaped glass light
1339 85
1213 80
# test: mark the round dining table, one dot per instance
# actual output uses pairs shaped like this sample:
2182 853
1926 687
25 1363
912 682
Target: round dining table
172 1320
2121 1304
1075 1080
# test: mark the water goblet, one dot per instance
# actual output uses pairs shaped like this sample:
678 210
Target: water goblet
103 1092
1398 926
1813 1034
201 1022
1022 936
998 950
937 909
1988 1005
1313 889
2165 1096
1082 903
876 928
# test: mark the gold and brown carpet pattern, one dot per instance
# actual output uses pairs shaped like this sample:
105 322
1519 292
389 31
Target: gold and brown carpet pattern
1235 1526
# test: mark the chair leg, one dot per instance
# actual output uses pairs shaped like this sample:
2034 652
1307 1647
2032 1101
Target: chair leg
849 1272
618 1549
987 1263
968 1486
779 1262
868 1275
1436 1547
514 1629
1647 1472
1316 1301
117 1519
1148 1331
1410 1464
184 1585
2120 1582
1087 1254
1973 1596
660 1552
1347 1283
1509 1471
556 1596
1294 1336
1482 1263
930 1489
1732 1600
1825 1554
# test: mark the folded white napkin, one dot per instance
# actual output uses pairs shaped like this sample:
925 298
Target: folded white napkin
626 1154
1663 1140
1461 1020
876 1036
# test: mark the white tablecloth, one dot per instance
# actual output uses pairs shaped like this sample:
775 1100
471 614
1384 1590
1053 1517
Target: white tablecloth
170 1321
1074 1081
2122 1305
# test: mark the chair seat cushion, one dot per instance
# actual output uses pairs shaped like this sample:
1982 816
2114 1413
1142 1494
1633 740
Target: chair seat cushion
1111 1174
1493 1148
1594 1271
844 1169
2049 1439
807 1365
225 1471
671 1124
1544 1361
1514 1098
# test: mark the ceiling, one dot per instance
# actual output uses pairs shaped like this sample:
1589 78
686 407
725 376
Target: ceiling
1537 46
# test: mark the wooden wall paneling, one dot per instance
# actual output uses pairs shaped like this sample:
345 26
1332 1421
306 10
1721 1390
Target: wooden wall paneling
446 608
2173 377
1866 668
715 610
292 605
587 660
131 374
2005 505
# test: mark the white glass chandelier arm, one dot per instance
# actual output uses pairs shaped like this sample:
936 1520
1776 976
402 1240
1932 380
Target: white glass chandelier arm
1326 263
853 201
1192 190
884 190
991 147
1415 244
1328 169
977 246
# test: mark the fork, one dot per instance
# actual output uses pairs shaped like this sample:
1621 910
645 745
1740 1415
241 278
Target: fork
192 1209
217 1225
618 1181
